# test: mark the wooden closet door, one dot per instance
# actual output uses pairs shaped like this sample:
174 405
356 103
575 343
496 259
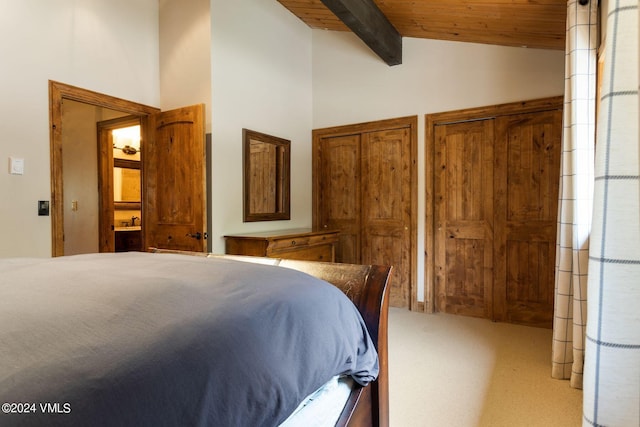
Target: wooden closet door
365 187
386 206
338 193
463 217
526 205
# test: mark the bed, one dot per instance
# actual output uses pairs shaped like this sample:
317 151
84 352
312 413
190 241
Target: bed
171 338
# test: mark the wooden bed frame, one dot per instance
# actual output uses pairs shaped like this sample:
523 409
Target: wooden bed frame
366 286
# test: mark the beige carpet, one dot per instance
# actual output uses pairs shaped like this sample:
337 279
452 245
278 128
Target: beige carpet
447 370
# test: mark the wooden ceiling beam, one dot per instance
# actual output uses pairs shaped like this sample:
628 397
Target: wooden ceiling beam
366 20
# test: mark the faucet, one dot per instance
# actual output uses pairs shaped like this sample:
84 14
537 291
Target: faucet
133 220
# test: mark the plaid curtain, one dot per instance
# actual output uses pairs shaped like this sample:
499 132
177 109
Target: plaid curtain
576 193
612 358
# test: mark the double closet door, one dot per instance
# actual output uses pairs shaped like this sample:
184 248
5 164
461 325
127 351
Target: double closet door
364 187
495 212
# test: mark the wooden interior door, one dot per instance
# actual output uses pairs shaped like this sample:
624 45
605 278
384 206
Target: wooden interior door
526 204
386 206
464 217
174 200
338 193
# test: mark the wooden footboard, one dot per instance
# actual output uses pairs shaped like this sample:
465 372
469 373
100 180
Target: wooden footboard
366 286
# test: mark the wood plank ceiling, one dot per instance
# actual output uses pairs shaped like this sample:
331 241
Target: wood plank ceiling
523 23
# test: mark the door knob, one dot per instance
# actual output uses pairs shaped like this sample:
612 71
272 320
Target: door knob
196 236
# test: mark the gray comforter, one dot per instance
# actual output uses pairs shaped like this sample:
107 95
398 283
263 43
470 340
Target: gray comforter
138 339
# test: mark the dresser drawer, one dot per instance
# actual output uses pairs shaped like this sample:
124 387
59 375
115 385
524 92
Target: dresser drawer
297 241
288 243
323 253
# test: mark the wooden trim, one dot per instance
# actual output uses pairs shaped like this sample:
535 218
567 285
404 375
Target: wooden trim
126 163
429 231
127 206
395 123
120 122
106 206
413 288
57 92
101 100
492 111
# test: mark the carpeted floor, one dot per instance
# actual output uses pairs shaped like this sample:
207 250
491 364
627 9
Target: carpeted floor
457 371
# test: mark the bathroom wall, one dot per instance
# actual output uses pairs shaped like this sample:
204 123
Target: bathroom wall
80 175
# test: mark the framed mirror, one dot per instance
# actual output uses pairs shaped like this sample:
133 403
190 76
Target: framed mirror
126 184
266 182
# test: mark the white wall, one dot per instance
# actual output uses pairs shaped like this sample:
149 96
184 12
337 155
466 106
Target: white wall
109 46
261 80
352 85
185 55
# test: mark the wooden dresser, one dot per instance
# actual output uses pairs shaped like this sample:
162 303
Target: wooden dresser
301 244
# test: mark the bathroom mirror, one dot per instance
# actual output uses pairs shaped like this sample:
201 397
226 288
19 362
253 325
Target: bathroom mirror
126 184
266 181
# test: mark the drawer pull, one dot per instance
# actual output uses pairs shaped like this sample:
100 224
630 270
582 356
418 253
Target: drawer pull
293 243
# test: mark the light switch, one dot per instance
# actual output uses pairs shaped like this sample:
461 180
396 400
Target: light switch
16 166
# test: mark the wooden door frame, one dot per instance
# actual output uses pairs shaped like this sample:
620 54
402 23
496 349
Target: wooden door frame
57 93
435 119
410 122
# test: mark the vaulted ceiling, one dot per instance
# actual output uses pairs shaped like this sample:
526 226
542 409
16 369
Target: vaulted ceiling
529 23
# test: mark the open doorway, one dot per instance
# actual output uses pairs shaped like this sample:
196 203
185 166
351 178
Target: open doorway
173 206
81 155
75 200
120 185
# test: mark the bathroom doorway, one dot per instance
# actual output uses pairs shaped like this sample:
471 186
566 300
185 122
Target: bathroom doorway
82 209
120 185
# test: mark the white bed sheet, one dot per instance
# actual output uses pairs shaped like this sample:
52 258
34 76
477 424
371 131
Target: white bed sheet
323 407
